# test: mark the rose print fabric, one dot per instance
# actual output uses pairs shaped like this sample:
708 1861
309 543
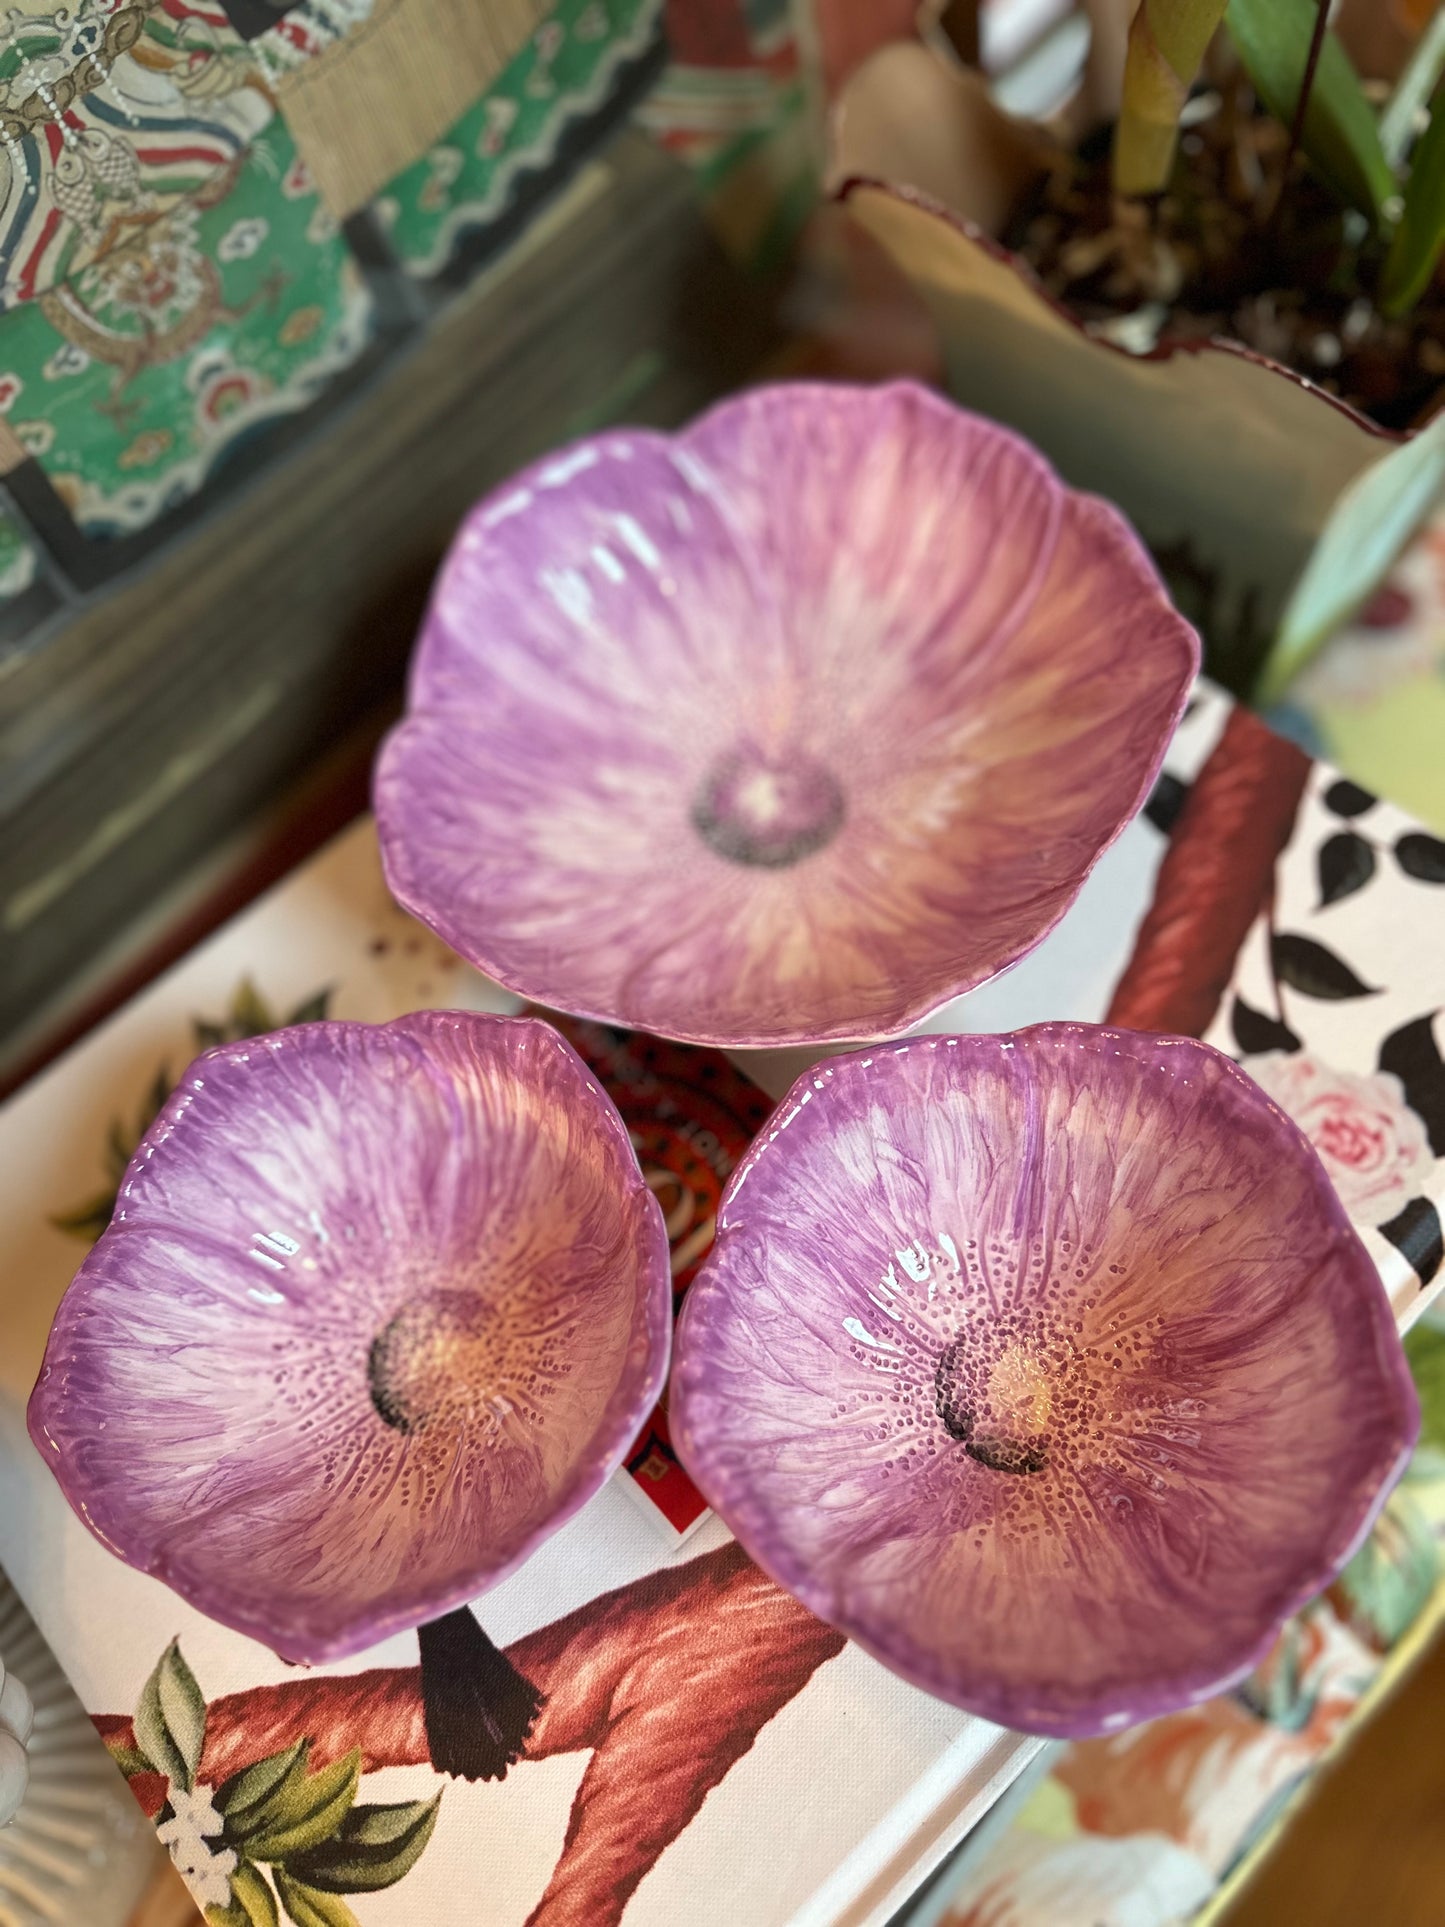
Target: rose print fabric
1374 1146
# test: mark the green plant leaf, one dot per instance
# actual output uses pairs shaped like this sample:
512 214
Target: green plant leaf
129 1759
1167 43
1340 137
1367 528
1415 251
249 1798
252 1902
1413 88
309 1907
207 1035
152 1105
373 1848
170 1719
313 1009
310 1811
250 1013
87 1220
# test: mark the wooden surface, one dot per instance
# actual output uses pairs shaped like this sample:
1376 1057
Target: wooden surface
1367 1849
166 1904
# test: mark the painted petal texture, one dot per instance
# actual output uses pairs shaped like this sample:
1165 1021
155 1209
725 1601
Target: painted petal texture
381 1307
1048 1367
787 729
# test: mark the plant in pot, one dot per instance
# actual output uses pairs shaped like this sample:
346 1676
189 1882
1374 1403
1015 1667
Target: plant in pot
1208 289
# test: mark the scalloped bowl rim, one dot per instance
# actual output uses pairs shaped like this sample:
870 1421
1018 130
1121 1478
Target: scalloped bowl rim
424 905
1167 346
591 1471
1148 1700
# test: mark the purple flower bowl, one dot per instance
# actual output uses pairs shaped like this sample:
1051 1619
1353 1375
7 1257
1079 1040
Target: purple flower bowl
784 730
381 1306
1047 1367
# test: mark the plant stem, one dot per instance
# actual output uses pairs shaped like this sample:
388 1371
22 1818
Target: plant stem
1167 42
1306 87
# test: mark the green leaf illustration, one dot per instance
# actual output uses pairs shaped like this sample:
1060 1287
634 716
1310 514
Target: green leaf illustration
250 1014
1388 1583
1425 1349
119 1148
314 1008
308 1812
252 1903
154 1103
374 1847
1278 1692
254 1798
87 1220
309 1907
170 1720
129 1759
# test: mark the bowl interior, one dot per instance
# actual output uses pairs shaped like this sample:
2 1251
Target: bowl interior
381 1306
1047 1367
786 730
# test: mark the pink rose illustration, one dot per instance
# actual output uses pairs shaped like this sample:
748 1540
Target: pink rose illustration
1372 1144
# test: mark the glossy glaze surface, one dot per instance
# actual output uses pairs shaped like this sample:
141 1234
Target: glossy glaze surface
786 729
380 1307
1047 1366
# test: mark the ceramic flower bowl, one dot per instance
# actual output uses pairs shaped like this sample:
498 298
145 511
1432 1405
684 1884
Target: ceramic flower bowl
1047 1367
380 1308
785 730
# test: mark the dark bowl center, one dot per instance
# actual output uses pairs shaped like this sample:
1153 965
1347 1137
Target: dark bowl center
767 811
997 1401
435 1361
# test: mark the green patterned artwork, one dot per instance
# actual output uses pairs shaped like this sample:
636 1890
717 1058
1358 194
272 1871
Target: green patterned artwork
566 71
18 560
112 112
132 380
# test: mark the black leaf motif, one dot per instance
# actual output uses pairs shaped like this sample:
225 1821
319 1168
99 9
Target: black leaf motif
1348 799
1415 1233
1166 800
1255 1032
1313 970
314 1008
1412 1055
478 1708
1346 864
1421 857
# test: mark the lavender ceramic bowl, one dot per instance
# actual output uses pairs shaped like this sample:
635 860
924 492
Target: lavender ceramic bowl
380 1308
1045 1366
787 729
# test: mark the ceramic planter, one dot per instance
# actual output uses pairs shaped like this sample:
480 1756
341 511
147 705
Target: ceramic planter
1227 463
